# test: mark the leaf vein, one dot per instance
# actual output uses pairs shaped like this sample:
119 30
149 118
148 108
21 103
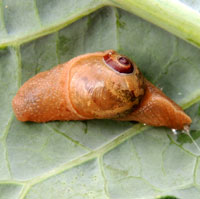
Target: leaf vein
2 17
69 138
186 151
195 171
37 12
91 155
45 31
100 159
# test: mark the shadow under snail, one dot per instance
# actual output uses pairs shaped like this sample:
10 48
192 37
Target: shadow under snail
101 85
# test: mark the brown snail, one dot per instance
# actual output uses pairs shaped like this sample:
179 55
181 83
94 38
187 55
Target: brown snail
101 85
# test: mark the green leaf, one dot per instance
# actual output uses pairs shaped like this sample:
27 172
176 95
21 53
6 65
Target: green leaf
180 17
100 159
168 197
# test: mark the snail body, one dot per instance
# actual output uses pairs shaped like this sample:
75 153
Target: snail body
101 85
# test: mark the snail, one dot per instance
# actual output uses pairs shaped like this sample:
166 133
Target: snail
100 85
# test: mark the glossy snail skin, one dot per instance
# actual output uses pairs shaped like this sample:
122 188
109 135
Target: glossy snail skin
156 109
83 88
101 85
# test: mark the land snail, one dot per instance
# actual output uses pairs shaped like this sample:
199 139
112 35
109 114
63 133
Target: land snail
100 85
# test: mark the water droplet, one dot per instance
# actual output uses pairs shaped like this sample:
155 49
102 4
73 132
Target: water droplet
174 131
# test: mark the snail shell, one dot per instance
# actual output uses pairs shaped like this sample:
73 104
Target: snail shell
101 85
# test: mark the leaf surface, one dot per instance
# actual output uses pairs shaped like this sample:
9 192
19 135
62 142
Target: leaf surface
99 158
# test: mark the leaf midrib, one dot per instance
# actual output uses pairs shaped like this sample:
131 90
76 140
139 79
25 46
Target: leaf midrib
50 29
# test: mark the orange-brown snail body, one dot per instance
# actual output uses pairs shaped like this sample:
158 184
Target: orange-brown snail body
101 85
